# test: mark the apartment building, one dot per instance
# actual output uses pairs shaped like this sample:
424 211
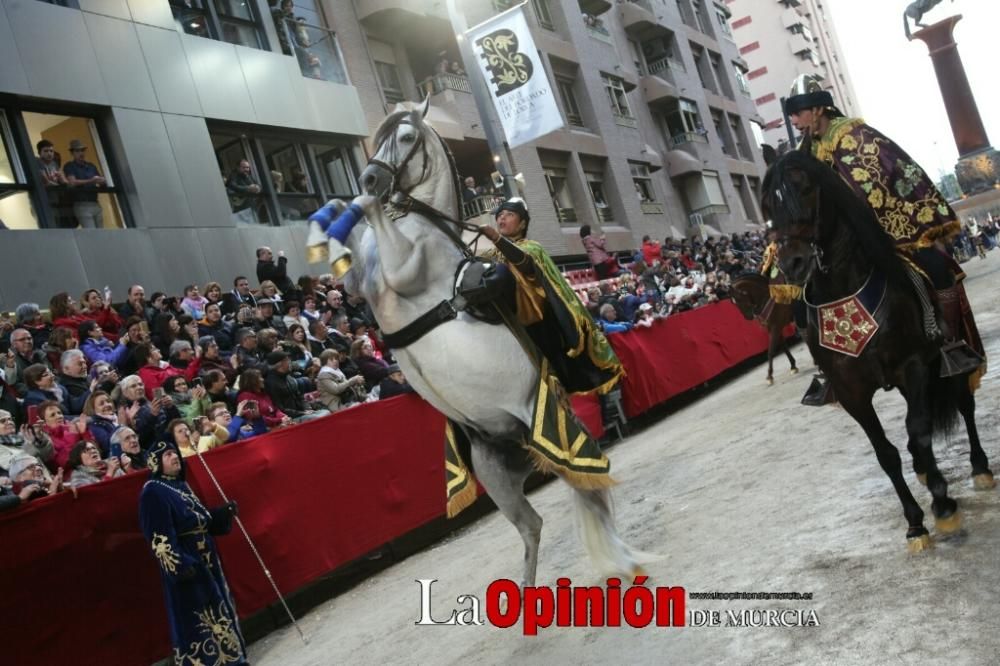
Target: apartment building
217 126
781 39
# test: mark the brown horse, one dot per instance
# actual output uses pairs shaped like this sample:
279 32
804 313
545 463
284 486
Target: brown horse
750 292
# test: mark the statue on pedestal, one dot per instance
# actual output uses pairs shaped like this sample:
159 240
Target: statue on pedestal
916 10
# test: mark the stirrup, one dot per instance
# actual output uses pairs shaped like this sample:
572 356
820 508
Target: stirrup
819 393
958 358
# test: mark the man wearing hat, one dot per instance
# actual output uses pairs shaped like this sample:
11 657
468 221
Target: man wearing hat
531 285
905 201
394 383
85 179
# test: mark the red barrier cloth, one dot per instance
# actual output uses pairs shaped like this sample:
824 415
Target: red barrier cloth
79 584
682 351
588 410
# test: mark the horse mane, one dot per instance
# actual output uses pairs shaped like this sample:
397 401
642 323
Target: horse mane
389 125
839 205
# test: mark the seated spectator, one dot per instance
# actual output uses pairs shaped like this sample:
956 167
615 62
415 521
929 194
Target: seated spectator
147 417
165 330
29 480
99 308
153 371
211 359
243 425
644 316
88 468
96 347
359 329
220 330
319 339
74 378
333 386
356 307
309 310
293 315
305 285
240 295
285 392
8 398
188 329
340 333
179 432
22 354
64 435
247 353
298 348
42 387
191 402
61 340
217 389
65 312
105 375
136 329
252 391
186 358
31 441
394 384
269 291
334 302
136 305
126 448
29 317
608 323
210 434
212 293
265 317
100 409
374 370
194 303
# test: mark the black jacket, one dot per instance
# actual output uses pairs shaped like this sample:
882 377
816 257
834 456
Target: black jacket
277 273
284 391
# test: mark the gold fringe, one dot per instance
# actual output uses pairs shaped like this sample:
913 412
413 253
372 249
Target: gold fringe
785 294
579 480
975 378
463 499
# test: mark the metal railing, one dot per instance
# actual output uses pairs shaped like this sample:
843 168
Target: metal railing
664 65
484 204
566 215
316 50
698 136
436 83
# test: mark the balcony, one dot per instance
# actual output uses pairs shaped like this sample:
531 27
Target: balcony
389 15
595 28
799 44
594 7
682 163
791 18
658 84
316 50
637 15
566 215
684 138
651 207
437 83
481 205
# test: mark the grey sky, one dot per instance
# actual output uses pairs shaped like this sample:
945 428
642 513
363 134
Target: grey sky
894 79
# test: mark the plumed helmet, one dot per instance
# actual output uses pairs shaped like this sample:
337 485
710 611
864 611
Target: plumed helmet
807 92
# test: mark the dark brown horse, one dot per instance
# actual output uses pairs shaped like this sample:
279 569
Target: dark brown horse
831 244
751 294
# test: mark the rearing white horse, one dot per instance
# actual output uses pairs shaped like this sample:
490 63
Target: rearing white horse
475 373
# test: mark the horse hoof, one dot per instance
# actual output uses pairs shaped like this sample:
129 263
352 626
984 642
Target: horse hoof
770 381
949 525
984 481
922 478
794 371
919 544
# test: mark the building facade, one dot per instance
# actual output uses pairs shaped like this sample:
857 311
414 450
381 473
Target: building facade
217 127
781 40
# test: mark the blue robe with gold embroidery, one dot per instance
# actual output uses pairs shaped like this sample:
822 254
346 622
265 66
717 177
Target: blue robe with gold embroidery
204 627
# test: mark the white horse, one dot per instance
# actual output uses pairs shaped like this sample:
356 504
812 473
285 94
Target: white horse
477 374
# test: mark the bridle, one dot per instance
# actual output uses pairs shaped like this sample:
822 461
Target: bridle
816 258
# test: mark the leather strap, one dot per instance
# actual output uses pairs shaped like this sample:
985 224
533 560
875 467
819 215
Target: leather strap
421 326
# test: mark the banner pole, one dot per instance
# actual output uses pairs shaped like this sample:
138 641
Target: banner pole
502 159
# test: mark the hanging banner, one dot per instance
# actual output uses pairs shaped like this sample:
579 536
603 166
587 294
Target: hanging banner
512 68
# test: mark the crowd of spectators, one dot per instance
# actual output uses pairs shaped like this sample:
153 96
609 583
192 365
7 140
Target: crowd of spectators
87 389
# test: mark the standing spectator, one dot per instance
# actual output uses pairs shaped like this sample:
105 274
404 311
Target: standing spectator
65 312
394 383
194 303
469 191
48 166
96 347
275 271
21 355
214 326
265 317
240 295
180 531
241 187
84 178
74 380
29 317
331 382
604 264
650 250
252 390
136 305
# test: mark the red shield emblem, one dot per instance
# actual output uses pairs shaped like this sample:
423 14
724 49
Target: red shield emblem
846 326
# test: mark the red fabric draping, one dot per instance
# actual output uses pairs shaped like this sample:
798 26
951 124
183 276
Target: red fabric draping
78 583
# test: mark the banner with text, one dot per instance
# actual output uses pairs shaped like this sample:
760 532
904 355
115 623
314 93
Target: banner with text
512 68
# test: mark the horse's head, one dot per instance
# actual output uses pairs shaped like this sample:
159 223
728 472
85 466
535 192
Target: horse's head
401 160
749 294
791 201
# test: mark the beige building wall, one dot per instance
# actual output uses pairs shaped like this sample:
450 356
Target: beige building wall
781 40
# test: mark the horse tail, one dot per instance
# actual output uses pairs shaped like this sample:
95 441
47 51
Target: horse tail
606 549
944 394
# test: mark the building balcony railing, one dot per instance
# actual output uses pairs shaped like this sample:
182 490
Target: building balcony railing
651 207
604 213
575 119
482 205
566 215
625 121
316 50
698 136
432 85
664 64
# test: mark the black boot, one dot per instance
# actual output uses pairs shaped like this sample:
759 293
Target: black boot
957 357
819 392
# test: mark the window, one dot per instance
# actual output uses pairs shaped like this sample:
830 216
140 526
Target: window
388 77
723 21
704 25
280 178
722 132
595 181
615 88
739 137
543 14
67 182
684 124
315 47
703 194
555 180
741 80
643 183
570 106
715 61
637 59
232 21
704 69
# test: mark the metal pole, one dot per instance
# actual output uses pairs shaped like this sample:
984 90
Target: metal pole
484 105
256 553
788 125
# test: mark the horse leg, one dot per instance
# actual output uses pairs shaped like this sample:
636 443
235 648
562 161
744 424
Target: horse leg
860 408
919 427
502 472
982 477
402 259
772 344
911 446
600 536
788 352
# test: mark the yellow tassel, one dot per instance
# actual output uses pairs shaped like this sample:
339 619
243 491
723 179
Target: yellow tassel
975 378
785 294
463 499
580 480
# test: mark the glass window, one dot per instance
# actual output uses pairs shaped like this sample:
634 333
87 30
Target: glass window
555 180
232 21
337 171
543 14
643 183
388 77
615 88
239 172
570 106
723 20
191 17
595 181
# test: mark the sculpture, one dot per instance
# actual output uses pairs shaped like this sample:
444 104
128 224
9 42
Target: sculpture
916 10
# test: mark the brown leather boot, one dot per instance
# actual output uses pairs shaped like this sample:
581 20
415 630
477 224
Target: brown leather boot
957 357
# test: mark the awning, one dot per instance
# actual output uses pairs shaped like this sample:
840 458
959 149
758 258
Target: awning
652 157
446 125
681 163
